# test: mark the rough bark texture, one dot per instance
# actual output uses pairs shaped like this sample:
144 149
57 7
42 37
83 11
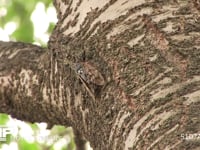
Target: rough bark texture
148 53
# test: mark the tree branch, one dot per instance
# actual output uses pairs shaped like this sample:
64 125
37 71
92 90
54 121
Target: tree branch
21 79
147 54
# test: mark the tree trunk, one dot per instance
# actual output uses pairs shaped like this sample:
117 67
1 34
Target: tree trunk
124 74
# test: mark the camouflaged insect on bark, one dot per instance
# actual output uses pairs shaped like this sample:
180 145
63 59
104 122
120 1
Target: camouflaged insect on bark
88 73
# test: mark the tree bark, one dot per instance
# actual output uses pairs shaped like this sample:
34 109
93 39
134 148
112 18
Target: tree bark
124 74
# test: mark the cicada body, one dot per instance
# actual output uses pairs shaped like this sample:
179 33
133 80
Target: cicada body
88 73
89 76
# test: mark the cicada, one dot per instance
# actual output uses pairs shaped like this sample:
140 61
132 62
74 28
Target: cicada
89 76
88 73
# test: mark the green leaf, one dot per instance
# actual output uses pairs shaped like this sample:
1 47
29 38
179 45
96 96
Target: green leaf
24 32
71 146
51 27
3 119
34 126
58 130
24 145
47 3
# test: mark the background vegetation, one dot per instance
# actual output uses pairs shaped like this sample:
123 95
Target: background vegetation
31 21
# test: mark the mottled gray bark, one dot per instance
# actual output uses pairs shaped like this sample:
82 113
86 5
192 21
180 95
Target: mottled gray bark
148 54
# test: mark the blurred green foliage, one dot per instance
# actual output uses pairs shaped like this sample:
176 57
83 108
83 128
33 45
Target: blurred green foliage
19 11
3 119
